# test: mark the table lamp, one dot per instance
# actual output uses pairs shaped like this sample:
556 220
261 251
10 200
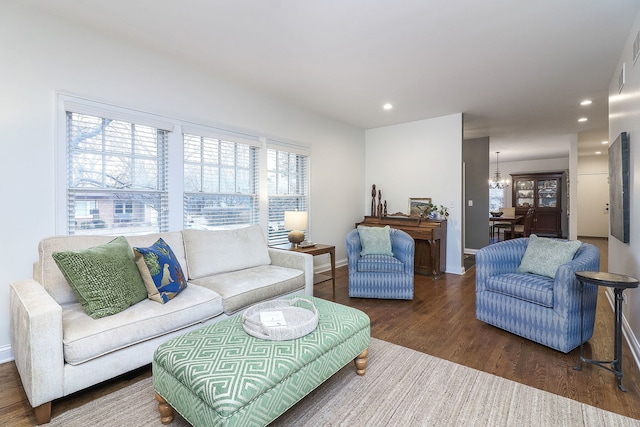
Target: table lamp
295 221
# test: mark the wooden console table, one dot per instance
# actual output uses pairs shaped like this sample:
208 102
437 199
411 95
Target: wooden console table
430 236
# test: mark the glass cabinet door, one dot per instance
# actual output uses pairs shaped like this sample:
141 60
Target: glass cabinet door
548 193
524 193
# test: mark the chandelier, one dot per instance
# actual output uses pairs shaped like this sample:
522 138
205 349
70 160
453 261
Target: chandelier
497 182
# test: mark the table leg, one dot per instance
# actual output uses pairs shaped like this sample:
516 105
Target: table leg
435 259
332 254
579 366
617 362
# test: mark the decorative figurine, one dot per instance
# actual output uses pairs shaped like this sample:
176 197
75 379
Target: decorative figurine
373 200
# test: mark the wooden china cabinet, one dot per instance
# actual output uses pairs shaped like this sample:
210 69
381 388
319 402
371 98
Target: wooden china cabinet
542 191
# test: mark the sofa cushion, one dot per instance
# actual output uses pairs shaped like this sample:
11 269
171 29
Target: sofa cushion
219 251
543 255
47 273
85 339
160 271
240 289
375 240
105 278
380 264
527 287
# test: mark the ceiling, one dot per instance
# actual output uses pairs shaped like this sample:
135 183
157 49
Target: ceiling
517 70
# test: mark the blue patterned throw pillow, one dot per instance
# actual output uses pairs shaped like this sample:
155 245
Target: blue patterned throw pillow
160 271
375 240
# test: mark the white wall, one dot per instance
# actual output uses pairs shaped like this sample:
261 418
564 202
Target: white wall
42 55
623 117
420 159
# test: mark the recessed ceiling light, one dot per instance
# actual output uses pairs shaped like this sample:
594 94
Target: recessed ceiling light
582 119
605 142
598 152
387 106
586 102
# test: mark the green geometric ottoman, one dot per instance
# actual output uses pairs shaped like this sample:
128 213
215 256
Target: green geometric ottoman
221 376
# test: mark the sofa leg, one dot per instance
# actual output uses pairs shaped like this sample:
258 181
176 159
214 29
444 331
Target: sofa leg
43 413
166 411
361 362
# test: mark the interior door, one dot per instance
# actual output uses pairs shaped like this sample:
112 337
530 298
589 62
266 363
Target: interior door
593 205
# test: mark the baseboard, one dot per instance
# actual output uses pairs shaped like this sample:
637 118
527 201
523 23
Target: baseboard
627 332
6 354
326 267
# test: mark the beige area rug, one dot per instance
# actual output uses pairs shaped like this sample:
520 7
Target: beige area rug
402 387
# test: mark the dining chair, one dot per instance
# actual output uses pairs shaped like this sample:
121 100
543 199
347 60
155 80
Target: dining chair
524 230
497 225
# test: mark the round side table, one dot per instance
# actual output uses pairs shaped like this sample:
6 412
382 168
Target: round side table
619 283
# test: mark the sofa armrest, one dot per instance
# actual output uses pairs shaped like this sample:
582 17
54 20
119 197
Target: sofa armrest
499 258
296 260
36 340
354 247
566 289
403 247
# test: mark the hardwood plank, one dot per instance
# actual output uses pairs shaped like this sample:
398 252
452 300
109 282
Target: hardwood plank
440 321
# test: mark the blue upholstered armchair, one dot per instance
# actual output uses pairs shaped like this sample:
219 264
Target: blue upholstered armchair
535 307
381 276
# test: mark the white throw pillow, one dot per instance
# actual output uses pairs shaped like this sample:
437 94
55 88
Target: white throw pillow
219 251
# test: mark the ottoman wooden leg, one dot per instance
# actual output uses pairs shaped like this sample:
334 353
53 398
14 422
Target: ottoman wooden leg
166 411
361 362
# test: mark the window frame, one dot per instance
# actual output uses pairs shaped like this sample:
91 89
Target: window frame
229 145
66 107
302 178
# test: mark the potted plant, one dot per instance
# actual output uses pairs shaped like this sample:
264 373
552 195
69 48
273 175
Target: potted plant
433 211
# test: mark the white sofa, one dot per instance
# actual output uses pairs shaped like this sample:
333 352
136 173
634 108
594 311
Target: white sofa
59 349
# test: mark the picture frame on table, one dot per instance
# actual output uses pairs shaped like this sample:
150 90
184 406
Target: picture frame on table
417 202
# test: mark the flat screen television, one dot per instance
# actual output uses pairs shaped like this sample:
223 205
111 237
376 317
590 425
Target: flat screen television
619 210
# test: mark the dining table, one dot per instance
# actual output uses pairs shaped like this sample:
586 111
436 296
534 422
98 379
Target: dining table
513 220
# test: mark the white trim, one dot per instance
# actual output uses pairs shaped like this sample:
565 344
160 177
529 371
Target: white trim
6 354
226 135
99 109
290 147
60 167
175 180
627 332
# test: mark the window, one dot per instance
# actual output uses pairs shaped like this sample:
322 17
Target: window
496 199
287 177
220 182
123 172
116 176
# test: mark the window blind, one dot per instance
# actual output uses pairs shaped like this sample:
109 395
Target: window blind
117 176
288 189
220 182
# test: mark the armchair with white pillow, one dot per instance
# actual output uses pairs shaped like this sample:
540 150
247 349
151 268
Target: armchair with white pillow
527 286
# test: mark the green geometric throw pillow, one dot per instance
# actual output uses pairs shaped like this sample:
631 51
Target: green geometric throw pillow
105 278
161 271
543 256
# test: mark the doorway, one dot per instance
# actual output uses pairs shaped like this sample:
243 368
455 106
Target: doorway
593 204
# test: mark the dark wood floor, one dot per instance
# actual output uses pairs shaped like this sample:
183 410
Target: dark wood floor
440 321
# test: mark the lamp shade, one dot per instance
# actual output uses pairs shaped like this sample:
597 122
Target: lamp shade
295 220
